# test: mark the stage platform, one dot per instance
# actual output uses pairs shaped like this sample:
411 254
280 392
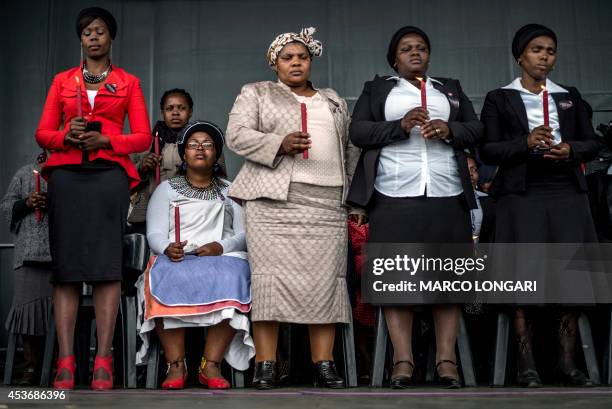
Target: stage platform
310 398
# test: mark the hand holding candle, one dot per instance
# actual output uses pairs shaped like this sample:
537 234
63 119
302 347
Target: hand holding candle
156 149
423 92
177 224
545 105
79 101
304 126
37 211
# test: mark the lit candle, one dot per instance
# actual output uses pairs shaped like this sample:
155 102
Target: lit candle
304 126
37 212
423 92
156 149
79 102
545 105
177 224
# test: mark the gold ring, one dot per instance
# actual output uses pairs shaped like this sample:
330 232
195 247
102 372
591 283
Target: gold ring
437 131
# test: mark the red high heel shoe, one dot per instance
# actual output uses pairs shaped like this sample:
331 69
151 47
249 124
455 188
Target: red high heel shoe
211 383
105 363
178 383
68 363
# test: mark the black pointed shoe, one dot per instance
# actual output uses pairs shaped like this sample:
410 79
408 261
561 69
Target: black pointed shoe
401 381
265 375
447 382
326 375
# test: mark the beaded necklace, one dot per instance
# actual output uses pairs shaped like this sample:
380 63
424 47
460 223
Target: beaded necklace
211 192
95 78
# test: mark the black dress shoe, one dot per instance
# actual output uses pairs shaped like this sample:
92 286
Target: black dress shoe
326 375
573 378
529 379
401 381
447 382
265 375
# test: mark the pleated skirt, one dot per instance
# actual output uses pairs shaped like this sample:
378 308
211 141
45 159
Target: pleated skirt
31 301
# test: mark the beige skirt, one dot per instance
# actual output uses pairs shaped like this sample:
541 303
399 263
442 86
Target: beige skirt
298 251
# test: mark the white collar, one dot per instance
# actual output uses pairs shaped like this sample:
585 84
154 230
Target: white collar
428 81
550 86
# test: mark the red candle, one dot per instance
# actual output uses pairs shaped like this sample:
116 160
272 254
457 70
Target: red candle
545 105
79 101
37 212
423 92
177 224
156 149
304 126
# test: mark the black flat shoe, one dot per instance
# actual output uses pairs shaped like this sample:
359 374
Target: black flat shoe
529 379
573 378
447 382
401 381
326 376
265 375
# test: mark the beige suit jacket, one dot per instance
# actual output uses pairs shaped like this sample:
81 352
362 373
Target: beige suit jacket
263 114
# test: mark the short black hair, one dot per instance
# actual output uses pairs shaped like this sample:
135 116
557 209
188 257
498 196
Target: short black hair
178 91
88 15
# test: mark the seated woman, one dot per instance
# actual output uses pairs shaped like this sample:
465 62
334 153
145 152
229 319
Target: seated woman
176 108
199 276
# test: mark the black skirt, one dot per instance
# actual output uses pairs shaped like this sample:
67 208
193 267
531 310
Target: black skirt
553 213
88 208
419 219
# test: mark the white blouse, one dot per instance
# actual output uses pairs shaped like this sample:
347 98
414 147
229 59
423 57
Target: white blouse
202 221
91 96
323 166
534 105
417 166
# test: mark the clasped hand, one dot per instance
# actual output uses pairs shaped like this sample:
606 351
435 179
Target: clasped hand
430 129
85 141
176 252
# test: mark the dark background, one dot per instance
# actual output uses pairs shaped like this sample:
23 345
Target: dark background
213 47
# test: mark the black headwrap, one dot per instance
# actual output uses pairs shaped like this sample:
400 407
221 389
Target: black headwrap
527 33
398 36
201 126
97 12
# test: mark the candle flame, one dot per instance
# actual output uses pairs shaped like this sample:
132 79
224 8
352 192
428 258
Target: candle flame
543 87
419 78
35 172
156 134
77 80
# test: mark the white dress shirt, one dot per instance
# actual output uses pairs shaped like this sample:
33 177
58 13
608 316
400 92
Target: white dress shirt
417 166
534 105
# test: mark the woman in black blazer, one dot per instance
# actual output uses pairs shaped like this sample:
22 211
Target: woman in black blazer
540 186
412 178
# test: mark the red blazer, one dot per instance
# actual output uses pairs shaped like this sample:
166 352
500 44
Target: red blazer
119 94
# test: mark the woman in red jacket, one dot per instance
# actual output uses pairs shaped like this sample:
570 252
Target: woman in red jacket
89 178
